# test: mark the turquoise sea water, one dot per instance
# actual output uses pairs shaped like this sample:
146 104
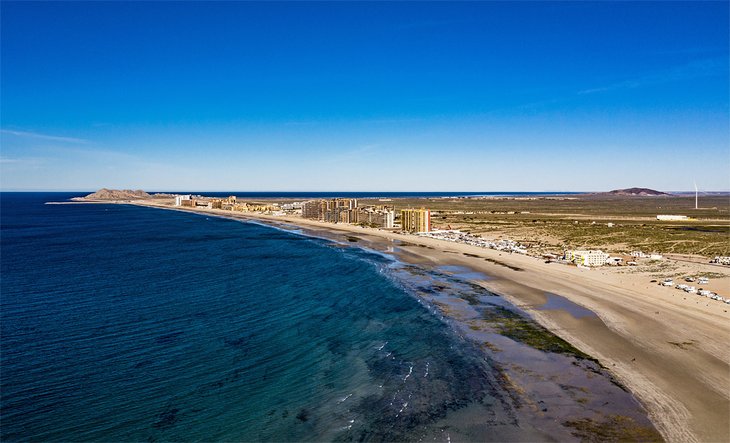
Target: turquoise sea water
127 323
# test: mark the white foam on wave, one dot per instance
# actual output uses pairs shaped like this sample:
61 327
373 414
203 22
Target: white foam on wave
348 427
344 398
382 346
410 371
426 374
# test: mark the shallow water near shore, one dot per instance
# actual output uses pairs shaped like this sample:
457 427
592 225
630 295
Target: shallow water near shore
552 385
561 303
127 323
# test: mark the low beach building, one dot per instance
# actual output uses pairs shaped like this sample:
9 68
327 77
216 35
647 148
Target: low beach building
293 206
614 261
587 257
672 217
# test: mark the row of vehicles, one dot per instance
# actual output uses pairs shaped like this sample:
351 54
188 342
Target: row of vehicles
700 280
692 290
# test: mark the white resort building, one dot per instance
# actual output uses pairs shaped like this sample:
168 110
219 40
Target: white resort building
180 198
587 257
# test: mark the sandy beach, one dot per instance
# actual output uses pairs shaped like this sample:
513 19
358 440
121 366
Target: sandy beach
669 348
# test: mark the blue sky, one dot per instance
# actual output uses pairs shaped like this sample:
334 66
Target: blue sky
480 96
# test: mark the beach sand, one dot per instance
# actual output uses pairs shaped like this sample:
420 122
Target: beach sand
669 348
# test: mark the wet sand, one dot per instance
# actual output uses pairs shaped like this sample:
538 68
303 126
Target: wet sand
672 354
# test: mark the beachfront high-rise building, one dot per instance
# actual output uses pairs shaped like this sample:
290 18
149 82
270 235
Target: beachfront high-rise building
346 210
311 209
328 210
179 199
375 216
415 220
388 217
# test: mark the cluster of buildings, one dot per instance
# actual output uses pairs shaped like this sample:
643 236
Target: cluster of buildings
596 257
456 236
593 258
192 201
228 204
346 210
641 254
335 210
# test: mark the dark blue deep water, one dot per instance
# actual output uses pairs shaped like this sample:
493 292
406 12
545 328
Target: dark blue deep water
122 323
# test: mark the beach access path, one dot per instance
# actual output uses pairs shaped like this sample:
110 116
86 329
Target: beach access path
668 348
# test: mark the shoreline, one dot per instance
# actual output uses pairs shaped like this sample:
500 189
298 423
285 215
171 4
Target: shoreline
670 353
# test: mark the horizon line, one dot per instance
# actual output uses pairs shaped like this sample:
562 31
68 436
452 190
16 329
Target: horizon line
692 191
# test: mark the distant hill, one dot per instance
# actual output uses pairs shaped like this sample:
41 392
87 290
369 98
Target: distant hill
636 191
115 194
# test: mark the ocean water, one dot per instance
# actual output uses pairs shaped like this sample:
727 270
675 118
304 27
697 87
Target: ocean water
122 323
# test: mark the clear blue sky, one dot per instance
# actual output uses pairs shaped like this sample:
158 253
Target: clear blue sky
521 96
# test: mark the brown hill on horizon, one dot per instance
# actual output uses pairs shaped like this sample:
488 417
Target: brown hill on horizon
636 191
115 194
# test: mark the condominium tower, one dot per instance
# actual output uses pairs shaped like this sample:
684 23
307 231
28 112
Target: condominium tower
415 220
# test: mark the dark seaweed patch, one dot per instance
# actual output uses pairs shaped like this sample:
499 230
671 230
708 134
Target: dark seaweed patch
521 329
470 298
615 428
303 415
497 262
681 345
